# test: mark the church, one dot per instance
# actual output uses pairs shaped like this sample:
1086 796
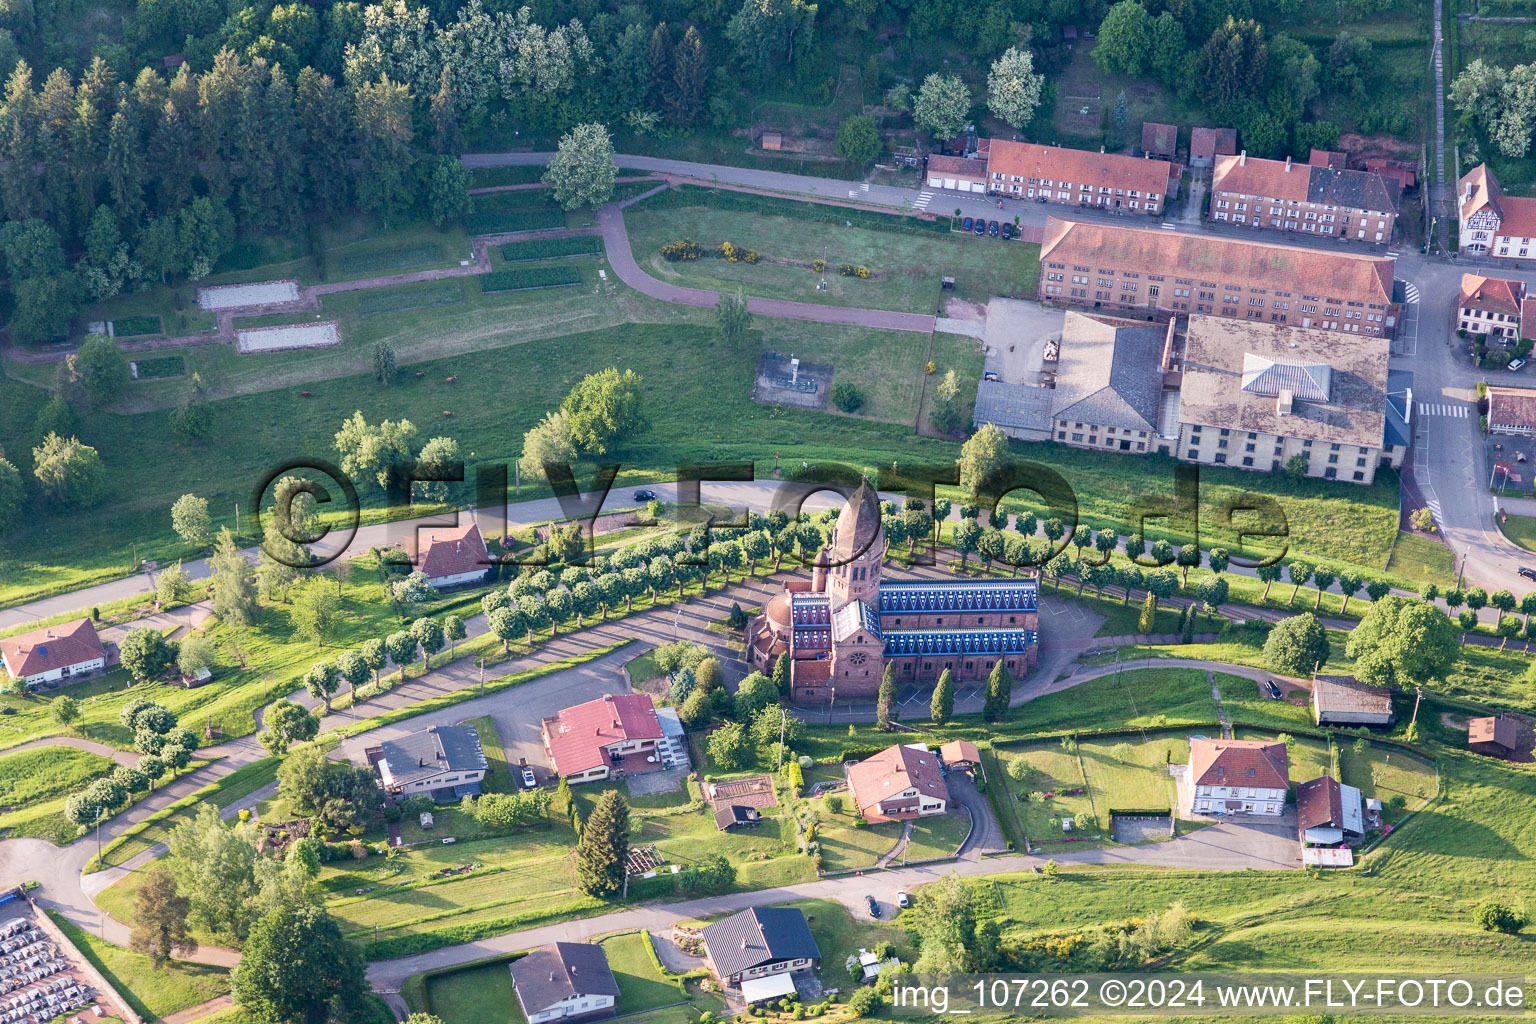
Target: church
843 626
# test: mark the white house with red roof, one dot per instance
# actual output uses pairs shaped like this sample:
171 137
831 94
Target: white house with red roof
54 654
451 556
605 738
1238 776
898 784
1491 223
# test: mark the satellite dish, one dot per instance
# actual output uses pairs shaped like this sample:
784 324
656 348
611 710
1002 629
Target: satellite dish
650 760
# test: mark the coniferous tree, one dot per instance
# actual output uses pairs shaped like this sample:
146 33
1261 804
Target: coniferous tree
690 73
603 847
942 707
885 708
781 678
660 60
999 691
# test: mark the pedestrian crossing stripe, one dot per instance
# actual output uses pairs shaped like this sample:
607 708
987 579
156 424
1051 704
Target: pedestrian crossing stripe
1455 412
1411 292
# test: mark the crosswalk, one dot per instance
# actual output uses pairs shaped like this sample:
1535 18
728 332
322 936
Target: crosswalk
923 199
853 192
1455 411
1410 292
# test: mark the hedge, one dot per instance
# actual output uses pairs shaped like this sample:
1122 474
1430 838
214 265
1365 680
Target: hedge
131 326
391 259
773 206
516 199
497 222
390 300
458 935
858 753
529 277
552 248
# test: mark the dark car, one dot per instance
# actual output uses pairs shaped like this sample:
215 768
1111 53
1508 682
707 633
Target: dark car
992 229
981 225
1007 232
1274 691
967 224
643 495
1528 573
874 907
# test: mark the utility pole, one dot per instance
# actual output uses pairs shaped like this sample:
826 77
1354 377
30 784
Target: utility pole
1418 696
482 675
237 519
783 717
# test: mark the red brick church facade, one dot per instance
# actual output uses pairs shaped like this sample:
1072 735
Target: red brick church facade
847 623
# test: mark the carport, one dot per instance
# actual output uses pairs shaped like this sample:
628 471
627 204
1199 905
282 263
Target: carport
755 990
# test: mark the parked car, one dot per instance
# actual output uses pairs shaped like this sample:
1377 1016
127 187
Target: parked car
1516 365
967 224
874 907
989 375
1007 231
981 225
528 778
903 899
1527 573
992 229
645 495
1274 691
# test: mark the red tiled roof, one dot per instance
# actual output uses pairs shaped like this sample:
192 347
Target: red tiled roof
1326 158
1256 763
959 750
52 647
1319 802
450 551
1271 179
1519 217
1476 189
1512 407
1388 169
1226 260
958 165
1528 314
582 734
1159 138
894 769
1494 294
1212 142
1031 160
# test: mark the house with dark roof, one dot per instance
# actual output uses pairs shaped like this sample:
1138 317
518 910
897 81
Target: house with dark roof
565 981
1344 700
729 816
1109 382
1159 140
443 759
1315 198
1256 395
54 654
1206 144
1117 269
1327 811
1238 776
760 943
608 737
1512 411
453 556
1491 223
1493 736
900 783
1491 306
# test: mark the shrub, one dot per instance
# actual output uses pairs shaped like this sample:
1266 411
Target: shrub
861 272
499 222
846 396
551 248
518 278
845 269
750 256
818 264
683 249
390 300
1496 917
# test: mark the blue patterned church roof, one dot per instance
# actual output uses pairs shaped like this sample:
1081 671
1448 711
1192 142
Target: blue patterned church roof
902 643
995 596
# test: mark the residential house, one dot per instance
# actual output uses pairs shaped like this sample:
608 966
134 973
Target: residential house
1512 411
1322 200
1238 776
756 950
1168 273
1491 223
611 736
1257 395
1344 700
1331 158
565 981
1327 811
1159 140
1493 736
1206 144
452 556
1026 170
1492 306
1403 174
445 759
958 173
899 783
54 654
729 816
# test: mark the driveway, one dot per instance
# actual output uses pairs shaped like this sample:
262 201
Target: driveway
1015 340
986 834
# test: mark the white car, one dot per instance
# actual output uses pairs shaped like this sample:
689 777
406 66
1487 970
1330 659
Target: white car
1516 365
528 779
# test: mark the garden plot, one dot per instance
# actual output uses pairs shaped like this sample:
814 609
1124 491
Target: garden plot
240 296
276 339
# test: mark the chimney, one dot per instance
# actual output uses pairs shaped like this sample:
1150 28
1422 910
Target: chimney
1101 149
1287 165
743 943
1242 159
1285 403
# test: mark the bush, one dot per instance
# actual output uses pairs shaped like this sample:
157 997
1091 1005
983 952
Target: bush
681 250
390 300
497 222
1496 917
552 248
846 396
131 326
519 278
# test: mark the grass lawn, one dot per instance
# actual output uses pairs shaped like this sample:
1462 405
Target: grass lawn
1145 698
165 366
905 268
1385 773
938 835
1129 774
475 995
1521 530
1418 557
498 775
1051 770
839 934
642 667
846 846
34 785
640 986
1247 704
1308 755
152 993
